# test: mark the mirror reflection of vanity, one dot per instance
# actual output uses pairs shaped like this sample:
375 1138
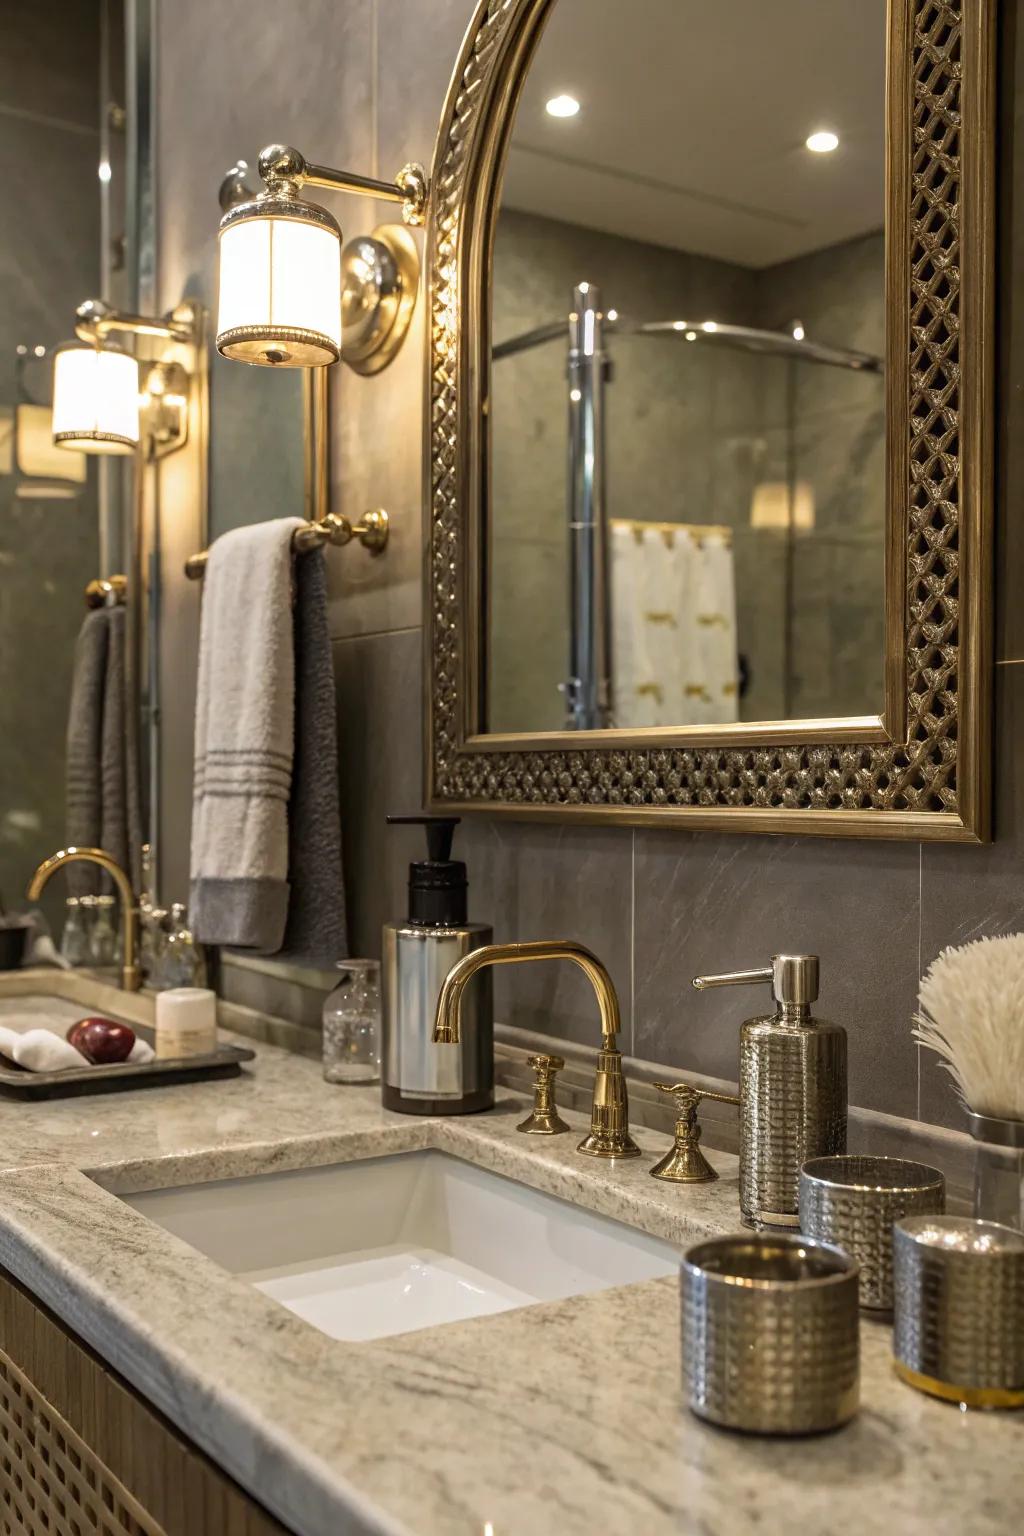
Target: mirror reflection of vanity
68 531
687 406
710 493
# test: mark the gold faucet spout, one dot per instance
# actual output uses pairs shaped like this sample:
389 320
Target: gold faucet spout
131 975
609 1122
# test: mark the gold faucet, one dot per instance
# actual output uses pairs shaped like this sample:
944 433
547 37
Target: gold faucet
131 975
609 1116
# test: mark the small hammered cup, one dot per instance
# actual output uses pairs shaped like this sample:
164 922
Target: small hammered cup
958 1329
854 1201
770 1333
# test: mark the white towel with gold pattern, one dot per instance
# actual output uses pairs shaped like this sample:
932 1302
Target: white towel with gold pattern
673 619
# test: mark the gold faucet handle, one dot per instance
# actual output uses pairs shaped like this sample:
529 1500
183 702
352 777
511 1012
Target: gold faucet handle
685 1163
544 1119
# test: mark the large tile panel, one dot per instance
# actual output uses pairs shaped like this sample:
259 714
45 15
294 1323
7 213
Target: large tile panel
543 882
708 903
380 752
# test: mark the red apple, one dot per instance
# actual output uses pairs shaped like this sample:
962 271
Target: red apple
102 1041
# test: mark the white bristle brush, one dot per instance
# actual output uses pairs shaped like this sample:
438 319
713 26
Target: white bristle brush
972 1014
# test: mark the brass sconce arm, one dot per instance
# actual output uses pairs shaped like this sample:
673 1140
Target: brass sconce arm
609 1117
95 321
285 171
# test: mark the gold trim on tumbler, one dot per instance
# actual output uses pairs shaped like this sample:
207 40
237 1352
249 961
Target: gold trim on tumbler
971 1397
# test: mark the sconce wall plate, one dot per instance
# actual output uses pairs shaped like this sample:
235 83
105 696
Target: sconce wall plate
380 275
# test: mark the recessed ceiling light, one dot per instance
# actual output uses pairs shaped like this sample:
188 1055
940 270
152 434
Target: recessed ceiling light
798 331
691 335
710 326
679 325
823 142
613 314
562 106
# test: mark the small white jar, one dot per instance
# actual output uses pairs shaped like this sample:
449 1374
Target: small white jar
186 1023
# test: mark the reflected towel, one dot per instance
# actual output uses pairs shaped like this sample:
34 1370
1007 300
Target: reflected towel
673 603
316 908
83 779
245 717
121 820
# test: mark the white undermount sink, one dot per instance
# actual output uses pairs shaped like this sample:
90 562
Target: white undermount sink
366 1249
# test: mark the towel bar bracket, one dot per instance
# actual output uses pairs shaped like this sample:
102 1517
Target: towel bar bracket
372 531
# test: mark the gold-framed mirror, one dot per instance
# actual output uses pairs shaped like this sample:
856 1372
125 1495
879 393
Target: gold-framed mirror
615 241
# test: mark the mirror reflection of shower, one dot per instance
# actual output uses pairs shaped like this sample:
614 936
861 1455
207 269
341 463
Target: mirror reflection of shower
652 601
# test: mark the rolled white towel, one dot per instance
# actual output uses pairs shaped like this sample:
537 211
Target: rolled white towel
40 1050
43 1050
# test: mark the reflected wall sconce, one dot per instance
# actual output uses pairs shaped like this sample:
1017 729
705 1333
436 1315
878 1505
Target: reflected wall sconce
291 296
109 401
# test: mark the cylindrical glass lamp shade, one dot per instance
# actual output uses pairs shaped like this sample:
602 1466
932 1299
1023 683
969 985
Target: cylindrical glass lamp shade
95 400
280 285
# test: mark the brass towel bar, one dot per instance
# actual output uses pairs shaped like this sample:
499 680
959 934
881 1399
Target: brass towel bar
106 591
371 531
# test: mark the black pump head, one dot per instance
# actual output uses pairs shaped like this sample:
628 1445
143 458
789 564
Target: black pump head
440 831
437 885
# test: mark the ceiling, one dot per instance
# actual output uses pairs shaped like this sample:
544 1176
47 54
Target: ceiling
693 120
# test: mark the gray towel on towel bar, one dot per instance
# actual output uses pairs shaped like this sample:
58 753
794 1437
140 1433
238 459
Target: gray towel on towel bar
316 909
114 837
83 791
245 716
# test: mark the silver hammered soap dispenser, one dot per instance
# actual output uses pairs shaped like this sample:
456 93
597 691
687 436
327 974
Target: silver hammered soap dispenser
792 1089
417 1076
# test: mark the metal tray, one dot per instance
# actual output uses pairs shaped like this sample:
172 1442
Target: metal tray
17 1082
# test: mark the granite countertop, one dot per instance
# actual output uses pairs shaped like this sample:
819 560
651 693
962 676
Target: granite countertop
559 1419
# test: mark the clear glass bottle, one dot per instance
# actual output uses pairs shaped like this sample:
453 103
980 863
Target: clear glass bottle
152 941
351 1020
74 939
103 936
182 963
998 1169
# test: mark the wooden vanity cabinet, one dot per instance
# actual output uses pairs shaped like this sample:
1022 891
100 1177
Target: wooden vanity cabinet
81 1452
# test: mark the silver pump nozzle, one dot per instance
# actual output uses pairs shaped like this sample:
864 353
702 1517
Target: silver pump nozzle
793 979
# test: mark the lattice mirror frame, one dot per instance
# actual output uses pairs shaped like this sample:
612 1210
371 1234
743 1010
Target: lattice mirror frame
921 768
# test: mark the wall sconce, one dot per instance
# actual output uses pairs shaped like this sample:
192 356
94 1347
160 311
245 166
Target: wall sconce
99 405
290 296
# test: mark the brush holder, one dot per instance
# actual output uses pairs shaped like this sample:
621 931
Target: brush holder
998 1169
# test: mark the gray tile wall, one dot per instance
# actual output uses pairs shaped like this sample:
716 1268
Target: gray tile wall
659 906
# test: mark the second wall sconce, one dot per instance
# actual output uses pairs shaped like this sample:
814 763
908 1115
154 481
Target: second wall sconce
106 400
290 295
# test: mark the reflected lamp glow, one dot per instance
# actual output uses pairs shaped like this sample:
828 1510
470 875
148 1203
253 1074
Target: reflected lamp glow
776 504
562 106
95 399
280 284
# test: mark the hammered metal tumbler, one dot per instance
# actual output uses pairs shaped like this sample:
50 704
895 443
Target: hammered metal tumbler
854 1201
958 1328
770 1333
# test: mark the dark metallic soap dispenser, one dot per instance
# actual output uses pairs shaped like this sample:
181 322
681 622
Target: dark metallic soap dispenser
417 1076
792 1089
